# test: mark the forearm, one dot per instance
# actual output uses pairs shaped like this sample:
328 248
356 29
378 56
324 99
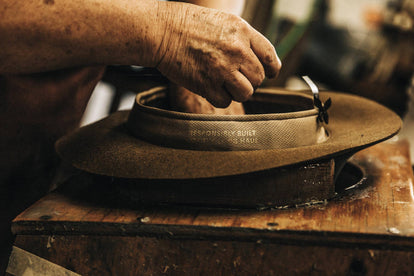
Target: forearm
204 50
41 35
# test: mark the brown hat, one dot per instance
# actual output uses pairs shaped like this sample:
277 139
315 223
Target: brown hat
280 128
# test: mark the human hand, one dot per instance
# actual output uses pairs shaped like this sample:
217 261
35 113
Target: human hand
214 54
183 100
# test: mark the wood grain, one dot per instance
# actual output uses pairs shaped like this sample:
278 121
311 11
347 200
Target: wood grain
108 255
369 228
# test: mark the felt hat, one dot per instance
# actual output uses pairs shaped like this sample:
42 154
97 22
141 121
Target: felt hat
280 128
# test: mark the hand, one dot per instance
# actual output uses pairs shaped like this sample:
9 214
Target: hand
184 100
214 54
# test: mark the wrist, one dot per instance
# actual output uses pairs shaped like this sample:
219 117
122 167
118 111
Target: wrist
142 33
171 28
164 19
151 37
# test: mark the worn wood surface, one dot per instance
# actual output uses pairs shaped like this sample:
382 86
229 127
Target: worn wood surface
365 229
108 255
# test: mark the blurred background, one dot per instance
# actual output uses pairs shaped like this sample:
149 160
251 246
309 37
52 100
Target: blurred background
364 47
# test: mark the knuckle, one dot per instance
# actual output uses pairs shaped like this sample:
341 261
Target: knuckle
233 18
258 77
261 74
243 93
246 95
237 48
236 25
273 68
270 54
256 84
269 58
243 26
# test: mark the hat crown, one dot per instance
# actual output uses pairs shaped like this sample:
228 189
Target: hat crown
275 120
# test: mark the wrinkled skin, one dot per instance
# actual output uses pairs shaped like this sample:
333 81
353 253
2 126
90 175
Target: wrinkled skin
214 54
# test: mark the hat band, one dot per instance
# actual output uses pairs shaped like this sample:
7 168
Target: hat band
163 127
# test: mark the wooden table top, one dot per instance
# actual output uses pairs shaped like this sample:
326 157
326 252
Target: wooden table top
378 213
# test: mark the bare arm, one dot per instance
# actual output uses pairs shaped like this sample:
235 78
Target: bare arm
201 49
42 35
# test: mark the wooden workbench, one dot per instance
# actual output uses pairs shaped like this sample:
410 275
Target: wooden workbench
368 229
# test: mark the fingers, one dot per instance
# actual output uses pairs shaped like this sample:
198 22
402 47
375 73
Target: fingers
238 86
219 98
228 63
266 53
253 70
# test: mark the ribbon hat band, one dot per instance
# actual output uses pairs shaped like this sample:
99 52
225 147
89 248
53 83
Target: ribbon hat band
265 128
112 146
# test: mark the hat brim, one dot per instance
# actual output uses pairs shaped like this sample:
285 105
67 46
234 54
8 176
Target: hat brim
107 148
